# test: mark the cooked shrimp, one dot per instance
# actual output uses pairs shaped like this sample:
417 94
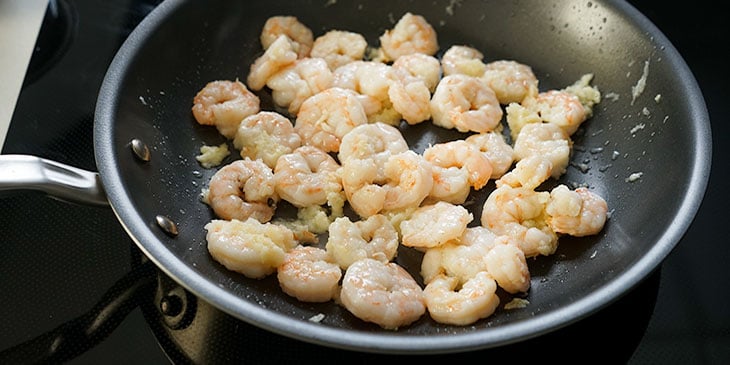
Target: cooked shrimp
410 97
373 144
279 55
449 185
382 293
266 135
558 107
308 274
461 154
243 189
465 103
462 258
407 180
365 77
457 167
434 225
306 177
371 80
507 265
576 213
464 60
339 47
520 214
377 141
411 34
291 27
359 177
546 140
422 66
374 237
294 84
450 301
529 172
327 116
498 151
249 247
511 81
224 104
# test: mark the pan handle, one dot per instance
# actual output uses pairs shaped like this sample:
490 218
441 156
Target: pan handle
18 172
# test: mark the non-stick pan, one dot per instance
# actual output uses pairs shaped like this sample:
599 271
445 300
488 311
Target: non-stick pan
646 150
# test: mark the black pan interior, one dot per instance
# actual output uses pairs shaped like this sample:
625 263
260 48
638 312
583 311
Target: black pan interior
663 134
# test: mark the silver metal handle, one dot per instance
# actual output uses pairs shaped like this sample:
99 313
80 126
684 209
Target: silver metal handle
20 172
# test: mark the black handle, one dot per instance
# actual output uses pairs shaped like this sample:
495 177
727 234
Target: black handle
75 337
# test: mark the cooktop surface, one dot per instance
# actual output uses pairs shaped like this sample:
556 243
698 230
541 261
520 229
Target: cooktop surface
76 289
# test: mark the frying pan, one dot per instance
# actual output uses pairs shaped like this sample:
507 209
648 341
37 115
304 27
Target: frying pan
646 151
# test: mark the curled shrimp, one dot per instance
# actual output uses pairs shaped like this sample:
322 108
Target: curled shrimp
520 214
409 179
498 151
511 81
462 258
368 78
279 55
276 26
377 141
577 213
371 145
339 47
371 81
327 116
457 167
410 97
450 301
308 274
461 154
294 84
449 185
306 177
435 224
406 181
507 265
266 135
421 66
464 60
558 107
465 103
374 237
249 247
411 34
546 140
243 189
223 104
382 293
529 172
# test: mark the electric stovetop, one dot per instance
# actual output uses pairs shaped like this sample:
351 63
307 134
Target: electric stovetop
74 288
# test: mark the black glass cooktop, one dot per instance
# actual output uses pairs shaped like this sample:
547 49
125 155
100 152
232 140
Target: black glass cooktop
74 287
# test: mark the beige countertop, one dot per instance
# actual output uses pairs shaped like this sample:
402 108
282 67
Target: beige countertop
20 21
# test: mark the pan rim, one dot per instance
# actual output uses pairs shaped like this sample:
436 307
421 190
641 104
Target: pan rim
141 231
